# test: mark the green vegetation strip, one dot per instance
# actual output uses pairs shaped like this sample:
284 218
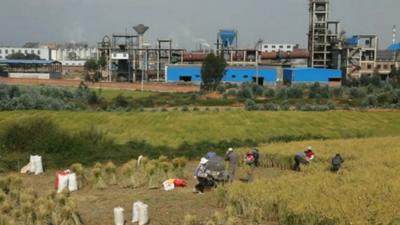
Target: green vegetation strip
174 128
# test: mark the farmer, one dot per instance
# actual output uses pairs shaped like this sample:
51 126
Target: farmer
201 176
300 158
336 163
233 161
309 154
252 157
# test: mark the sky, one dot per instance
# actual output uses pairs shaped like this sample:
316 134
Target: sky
188 22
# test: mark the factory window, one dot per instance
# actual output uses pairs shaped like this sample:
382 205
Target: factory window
12 51
233 76
280 46
38 52
369 66
273 46
197 76
6 51
114 55
385 66
379 67
26 51
0 51
265 46
245 76
19 50
289 47
124 55
32 51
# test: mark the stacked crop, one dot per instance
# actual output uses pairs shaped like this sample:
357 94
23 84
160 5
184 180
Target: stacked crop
19 206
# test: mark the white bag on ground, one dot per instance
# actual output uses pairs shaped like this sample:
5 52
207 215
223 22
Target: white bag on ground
135 211
143 214
32 164
38 165
119 216
72 182
62 181
26 168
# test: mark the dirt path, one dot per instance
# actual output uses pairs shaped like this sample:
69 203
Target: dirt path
165 208
160 87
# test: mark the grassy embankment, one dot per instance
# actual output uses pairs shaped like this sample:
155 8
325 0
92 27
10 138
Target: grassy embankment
119 136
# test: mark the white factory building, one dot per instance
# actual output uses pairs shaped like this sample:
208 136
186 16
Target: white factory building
273 47
73 57
43 53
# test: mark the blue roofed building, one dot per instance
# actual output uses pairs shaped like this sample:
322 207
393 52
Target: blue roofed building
312 75
192 73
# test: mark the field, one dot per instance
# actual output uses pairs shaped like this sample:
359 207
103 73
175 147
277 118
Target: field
364 191
174 128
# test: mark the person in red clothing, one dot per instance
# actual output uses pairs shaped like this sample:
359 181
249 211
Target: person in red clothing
309 154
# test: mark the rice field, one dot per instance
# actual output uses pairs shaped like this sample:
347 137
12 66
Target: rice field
174 128
363 192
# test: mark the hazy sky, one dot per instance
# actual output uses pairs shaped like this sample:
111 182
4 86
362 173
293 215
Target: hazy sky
187 22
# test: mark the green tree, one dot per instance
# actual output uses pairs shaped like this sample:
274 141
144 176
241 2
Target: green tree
395 75
212 72
92 70
19 55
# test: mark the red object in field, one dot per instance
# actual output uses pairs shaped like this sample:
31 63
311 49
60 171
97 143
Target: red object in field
180 183
58 175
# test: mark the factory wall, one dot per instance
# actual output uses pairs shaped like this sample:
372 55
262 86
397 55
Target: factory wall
311 75
233 74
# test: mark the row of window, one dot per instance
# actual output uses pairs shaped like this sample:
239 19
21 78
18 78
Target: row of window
232 76
12 51
280 46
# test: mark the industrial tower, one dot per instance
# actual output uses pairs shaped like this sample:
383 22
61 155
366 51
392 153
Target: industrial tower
322 36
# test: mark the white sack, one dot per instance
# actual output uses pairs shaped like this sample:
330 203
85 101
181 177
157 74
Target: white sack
38 165
135 211
62 182
72 182
143 214
32 163
119 216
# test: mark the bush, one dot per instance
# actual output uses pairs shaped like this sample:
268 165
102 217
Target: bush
271 107
250 105
269 92
357 92
120 102
294 92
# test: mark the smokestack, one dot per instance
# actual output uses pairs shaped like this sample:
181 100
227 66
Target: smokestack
394 35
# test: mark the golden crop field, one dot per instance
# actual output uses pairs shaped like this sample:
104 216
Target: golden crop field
365 191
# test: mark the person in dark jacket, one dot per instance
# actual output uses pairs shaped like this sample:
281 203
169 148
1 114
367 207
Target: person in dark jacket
299 158
336 163
233 161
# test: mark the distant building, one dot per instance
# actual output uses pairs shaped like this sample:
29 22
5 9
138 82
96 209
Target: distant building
73 54
43 53
192 73
312 75
269 47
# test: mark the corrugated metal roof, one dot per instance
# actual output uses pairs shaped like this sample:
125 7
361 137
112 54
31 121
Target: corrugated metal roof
394 47
22 61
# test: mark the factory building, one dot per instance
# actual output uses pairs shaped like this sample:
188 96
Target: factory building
329 77
32 69
192 73
268 47
43 53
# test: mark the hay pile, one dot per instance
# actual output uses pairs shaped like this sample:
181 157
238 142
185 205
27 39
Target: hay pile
19 206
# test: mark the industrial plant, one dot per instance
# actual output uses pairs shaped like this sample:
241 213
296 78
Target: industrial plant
329 58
